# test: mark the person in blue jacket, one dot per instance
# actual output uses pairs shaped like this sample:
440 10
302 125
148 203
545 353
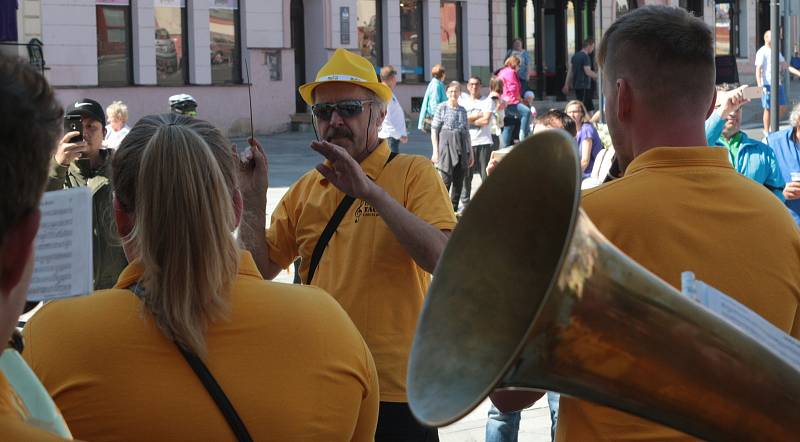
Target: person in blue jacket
785 144
749 157
434 95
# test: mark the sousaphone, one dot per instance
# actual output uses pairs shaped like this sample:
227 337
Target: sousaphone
529 295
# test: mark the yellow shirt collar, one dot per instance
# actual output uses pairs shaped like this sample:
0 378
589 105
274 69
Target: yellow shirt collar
679 156
374 163
134 271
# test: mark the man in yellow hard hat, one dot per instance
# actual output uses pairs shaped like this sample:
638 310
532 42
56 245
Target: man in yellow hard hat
377 259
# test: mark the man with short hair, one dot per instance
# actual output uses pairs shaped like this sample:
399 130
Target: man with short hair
679 205
580 75
393 129
85 164
31 127
750 157
479 115
764 78
378 262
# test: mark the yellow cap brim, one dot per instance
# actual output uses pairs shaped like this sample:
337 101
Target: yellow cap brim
380 89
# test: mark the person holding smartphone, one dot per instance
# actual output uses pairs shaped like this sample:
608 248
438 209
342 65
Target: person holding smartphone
749 157
81 161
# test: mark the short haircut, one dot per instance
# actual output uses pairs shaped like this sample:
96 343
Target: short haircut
588 42
496 84
454 84
665 53
388 72
438 71
558 119
475 77
117 110
28 136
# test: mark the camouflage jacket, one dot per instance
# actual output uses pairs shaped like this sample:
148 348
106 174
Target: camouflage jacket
108 257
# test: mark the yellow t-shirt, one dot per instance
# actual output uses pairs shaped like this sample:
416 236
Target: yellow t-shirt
12 422
289 359
364 266
686 209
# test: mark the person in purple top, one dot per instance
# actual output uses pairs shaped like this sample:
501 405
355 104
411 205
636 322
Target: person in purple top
589 143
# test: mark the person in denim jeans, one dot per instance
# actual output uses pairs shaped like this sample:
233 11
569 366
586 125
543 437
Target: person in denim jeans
504 427
512 94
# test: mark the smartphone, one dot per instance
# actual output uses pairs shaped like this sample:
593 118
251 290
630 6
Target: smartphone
72 123
752 92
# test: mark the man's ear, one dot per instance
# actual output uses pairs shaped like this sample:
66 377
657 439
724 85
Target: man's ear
625 98
16 247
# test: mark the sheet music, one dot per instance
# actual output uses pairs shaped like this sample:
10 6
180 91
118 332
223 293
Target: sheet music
63 246
748 321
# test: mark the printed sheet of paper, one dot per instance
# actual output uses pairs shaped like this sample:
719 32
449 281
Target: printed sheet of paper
742 318
63 246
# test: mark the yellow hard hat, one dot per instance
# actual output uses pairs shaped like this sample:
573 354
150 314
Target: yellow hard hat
347 67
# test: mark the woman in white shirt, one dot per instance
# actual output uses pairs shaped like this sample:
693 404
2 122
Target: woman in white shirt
117 127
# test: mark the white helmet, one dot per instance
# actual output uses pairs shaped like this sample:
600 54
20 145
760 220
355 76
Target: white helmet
183 104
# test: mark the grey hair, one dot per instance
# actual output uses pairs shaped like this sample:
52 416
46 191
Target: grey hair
795 115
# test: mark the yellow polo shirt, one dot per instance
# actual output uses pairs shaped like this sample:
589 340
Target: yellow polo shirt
679 209
364 266
289 359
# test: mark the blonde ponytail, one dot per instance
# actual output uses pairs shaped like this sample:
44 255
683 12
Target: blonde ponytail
176 176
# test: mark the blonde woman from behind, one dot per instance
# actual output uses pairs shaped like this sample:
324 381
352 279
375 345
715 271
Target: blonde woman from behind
288 358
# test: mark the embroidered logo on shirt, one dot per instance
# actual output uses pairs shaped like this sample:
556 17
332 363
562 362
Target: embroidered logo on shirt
365 209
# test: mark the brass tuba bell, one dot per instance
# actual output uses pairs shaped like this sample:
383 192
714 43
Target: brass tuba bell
529 295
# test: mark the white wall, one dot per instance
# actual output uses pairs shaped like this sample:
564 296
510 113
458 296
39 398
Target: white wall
70 41
265 23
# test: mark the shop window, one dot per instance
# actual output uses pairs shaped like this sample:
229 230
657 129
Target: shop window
226 66
172 66
726 35
623 6
411 40
450 23
368 19
113 43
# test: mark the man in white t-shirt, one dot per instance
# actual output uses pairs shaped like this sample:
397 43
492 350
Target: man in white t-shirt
764 77
393 129
479 114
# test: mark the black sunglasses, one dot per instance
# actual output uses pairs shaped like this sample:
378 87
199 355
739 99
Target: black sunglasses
345 109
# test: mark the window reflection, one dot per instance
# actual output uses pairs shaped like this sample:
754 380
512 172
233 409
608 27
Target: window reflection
225 64
369 31
171 45
451 39
113 45
722 29
412 68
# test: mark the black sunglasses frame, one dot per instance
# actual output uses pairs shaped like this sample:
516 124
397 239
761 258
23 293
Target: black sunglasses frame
345 109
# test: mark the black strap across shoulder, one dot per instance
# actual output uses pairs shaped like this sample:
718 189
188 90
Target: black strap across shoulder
213 388
211 385
330 228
